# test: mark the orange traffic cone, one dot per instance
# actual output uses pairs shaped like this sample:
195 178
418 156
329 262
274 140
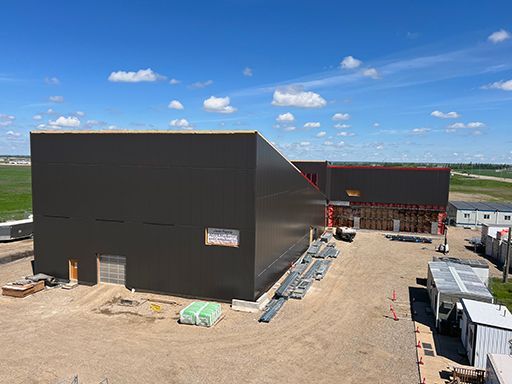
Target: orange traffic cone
418 345
421 361
424 381
417 330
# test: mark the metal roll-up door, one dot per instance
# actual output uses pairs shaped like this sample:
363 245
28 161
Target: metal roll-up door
112 269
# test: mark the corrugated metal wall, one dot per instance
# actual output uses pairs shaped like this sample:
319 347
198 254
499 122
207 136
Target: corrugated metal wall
148 197
390 185
286 206
314 167
490 340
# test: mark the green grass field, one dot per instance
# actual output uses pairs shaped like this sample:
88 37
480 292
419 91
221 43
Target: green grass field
502 292
495 190
15 192
488 172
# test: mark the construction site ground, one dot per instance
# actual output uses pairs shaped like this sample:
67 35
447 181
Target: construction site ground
12 250
341 332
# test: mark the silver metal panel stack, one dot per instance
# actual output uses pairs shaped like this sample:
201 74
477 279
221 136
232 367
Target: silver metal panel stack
322 269
302 276
272 308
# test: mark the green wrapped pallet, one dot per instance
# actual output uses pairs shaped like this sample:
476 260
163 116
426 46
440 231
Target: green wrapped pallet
201 313
190 313
209 315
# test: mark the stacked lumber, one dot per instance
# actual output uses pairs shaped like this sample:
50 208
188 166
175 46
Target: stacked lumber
22 289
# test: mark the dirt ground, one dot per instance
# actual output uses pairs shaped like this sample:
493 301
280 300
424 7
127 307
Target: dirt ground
9 249
341 332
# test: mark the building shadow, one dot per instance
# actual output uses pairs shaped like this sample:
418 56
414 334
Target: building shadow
447 346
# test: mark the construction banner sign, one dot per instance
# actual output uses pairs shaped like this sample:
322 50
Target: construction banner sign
223 237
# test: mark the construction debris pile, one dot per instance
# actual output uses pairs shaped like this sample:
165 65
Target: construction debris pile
303 274
22 288
29 285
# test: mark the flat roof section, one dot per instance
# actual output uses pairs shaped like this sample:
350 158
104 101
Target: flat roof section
502 366
15 222
455 278
481 206
388 167
493 315
134 132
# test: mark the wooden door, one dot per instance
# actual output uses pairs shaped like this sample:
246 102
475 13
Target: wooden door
73 270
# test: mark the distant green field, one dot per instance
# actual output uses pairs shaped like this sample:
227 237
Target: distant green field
15 192
495 190
488 172
502 292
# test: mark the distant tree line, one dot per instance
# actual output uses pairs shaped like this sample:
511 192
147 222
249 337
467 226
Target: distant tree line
456 166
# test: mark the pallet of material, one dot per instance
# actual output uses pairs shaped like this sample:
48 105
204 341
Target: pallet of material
22 290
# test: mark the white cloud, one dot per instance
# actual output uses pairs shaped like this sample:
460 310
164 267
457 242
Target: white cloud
295 97
50 111
340 116
328 143
349 62
37 117
6 120
68 122
312 124
218 104
499 36
342 126
345 134
13 134
321 134
503 85
420 131
175 104
52 80
80 113
290 128
180 123
57 99
201 84
95 123
142 75
445 115
174 81
476 124
371 72
304 143
285 117
376 125
247 71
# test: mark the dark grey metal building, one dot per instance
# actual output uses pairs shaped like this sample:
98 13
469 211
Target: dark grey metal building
409 199
204 214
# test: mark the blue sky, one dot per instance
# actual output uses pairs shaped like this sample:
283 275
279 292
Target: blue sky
359 81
